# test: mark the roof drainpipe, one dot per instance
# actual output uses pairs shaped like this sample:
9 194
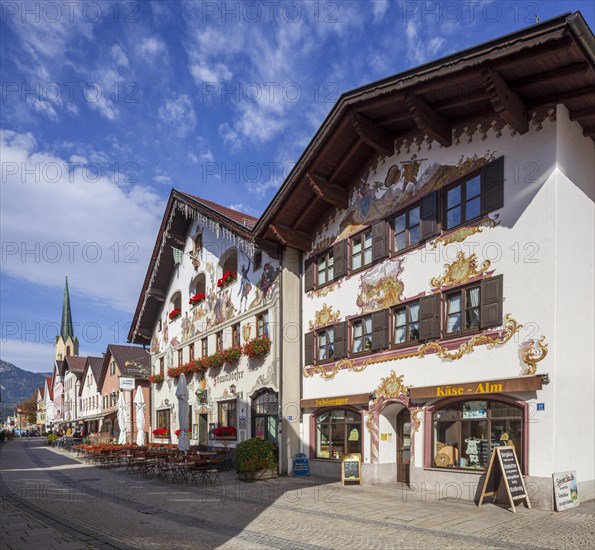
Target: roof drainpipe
583 34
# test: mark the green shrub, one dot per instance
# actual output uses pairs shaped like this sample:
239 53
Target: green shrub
255 454
52 438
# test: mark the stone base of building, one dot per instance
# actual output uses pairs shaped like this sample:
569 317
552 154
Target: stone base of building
432 485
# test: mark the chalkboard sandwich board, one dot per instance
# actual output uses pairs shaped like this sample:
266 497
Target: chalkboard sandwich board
351 468
504 467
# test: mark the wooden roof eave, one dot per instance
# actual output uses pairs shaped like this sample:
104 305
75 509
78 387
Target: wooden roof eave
547 37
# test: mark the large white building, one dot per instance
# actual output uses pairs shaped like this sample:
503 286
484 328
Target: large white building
210 292
446 222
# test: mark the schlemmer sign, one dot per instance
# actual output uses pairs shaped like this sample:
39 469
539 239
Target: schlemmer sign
565 490
126 383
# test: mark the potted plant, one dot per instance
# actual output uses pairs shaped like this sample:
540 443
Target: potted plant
257 347
255 460
197 298
232 355
161 433
156 378
228 278
174 314
178 432
225 432
52 438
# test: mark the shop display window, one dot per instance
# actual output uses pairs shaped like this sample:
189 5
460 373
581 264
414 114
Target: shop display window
338 432
465 434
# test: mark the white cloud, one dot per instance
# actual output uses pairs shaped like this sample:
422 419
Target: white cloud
419 46
379 8
119 56
152 49
244 208
179 114
46 204
162 179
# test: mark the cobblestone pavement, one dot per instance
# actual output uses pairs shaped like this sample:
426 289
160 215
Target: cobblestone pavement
52 500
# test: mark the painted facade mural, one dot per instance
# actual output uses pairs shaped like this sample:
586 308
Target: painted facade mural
381 287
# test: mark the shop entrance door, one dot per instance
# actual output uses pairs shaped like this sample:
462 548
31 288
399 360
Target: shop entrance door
403 446
203 429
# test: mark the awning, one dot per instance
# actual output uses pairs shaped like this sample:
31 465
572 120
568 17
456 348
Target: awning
92 418
359 399
481 387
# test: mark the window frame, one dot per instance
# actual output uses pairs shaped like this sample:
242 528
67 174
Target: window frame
437 408
393 233
327 254
315 450
262 324
191 351
361 236
393 326
257 260
163 419
180 357
462 290
235 335
233 405
204 346
351 327
317 333
462 183
219 341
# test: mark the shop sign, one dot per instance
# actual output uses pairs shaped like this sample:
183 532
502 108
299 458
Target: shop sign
522 383
126 383
301 465
565 491
504 469
360 399
351 468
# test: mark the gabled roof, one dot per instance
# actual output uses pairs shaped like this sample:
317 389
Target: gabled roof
132 361
96 366
508 80
75 364
172 233
233 215
60 368
49 383
41 392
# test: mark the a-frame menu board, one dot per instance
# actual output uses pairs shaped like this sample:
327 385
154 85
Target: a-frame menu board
504 466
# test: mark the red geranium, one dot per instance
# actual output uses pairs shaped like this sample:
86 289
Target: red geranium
174 313
197 298
161 432
228 277
178 432
225 431
156 378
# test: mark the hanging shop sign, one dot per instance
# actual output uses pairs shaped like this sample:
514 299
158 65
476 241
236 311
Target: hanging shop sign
507 385
126 383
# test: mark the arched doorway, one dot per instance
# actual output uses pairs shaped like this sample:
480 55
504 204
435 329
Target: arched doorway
403 445
265 415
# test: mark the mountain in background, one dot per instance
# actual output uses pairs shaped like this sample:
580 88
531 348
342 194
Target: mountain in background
17 385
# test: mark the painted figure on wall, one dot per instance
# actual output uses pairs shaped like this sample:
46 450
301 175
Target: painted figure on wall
245 286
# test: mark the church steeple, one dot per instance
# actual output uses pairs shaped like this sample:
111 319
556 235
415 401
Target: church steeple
66 329
66 342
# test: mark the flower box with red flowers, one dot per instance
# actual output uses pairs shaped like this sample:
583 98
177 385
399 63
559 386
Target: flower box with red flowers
257 347
225 432
232 355
178 432
174 314
156 378
197 298
161 433
228 278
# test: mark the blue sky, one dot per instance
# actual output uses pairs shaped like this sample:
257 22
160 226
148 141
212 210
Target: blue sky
107 105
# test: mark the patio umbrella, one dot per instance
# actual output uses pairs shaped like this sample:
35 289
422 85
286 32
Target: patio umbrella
139 402
183 411
122 419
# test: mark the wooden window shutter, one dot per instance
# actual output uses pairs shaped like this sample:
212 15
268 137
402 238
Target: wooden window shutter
428 213
492 186
380 330
309 275
309 348
491 299
340 259
340 332
379 241
429 317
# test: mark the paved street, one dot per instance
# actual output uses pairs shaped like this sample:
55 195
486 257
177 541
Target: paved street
52 500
